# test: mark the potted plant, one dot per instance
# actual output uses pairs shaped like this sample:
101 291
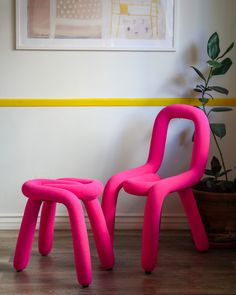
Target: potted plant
216 193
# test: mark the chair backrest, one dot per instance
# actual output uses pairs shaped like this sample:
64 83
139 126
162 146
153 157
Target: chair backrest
201 136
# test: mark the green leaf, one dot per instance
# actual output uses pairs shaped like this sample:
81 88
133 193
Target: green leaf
218 129
201 86
225 172
205 179
225 66
209 95
209 172
215 165
199 73
220 89
221 109
214 64
204 100
227 50
208 89
197 90
213 47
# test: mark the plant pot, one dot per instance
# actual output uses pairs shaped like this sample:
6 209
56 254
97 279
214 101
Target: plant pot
218 212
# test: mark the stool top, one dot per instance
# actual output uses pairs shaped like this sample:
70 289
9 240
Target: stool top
84 189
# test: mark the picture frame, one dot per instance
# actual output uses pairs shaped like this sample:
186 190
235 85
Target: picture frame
126 25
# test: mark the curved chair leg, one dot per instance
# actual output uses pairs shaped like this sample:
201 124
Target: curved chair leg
101 234
26 234
46 228
109 201
111 192
197 228
151 228
80 241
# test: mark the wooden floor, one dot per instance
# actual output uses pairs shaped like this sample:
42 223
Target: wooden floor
181 270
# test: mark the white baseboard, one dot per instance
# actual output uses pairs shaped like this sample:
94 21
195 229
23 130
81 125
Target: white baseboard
123 221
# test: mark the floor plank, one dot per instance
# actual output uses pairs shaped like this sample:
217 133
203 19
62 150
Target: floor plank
181 269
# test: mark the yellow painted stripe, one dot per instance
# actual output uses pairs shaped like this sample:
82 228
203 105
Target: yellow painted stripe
108 102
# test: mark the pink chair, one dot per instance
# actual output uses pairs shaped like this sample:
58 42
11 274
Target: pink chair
144 181
68 191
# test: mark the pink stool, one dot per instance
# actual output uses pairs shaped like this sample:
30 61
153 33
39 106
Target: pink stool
144 181
68 191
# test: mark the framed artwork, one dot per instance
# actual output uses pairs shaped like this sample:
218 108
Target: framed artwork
143 25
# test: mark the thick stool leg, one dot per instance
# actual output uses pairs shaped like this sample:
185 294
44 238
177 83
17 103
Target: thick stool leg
26 234
80 240
46 228
197 228
101 234
151 227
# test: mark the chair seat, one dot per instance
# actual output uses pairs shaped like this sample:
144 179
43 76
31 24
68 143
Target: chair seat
140 185
84 189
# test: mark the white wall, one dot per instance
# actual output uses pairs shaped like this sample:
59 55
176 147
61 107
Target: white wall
97 142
